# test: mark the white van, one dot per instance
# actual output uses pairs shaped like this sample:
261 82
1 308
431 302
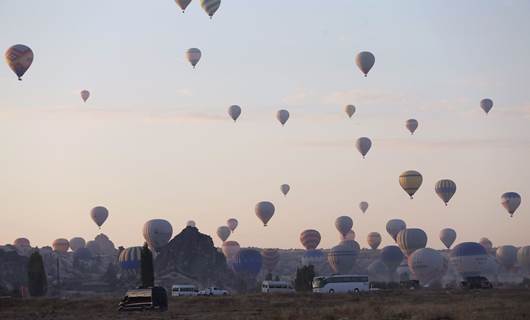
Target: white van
341 284
276 287
179 290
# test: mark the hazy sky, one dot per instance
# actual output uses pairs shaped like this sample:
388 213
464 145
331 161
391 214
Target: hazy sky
154 140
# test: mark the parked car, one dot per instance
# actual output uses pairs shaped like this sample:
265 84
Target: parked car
154 298
213 291
180 290
276 287
476 282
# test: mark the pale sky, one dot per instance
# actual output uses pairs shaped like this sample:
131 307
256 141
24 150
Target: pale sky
154 139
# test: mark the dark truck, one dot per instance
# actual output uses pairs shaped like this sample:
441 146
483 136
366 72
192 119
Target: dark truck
141 299
476 282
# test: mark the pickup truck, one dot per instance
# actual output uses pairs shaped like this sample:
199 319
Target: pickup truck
213 291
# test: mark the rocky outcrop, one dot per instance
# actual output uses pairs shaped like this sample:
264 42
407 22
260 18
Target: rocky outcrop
13 271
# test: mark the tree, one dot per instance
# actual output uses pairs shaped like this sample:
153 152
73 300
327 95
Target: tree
147 269
304 278
37 281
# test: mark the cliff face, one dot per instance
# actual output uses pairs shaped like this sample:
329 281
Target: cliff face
192 255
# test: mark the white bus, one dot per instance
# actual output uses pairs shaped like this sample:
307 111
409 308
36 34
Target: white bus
341 284
184 290
276 287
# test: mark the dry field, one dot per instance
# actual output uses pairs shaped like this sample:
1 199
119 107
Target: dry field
492 304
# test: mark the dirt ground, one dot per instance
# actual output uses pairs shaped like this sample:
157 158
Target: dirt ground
422 304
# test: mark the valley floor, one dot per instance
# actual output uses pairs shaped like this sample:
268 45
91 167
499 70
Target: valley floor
395 305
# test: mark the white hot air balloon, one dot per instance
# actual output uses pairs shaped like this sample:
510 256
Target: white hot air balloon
210 6
183 4
350 110
282 116
99 215
365 61
363 206
363 144
264 211
412 125
511 201
234 112
193 55
343 224
285 189
157 233
85 94
232 224
223 232
427 265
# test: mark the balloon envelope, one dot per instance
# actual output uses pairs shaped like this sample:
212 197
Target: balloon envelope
394 226
22 243
427 265
264 211
363 206
193 55
248 262
448 237
285 189
350 110
486 105
365 61
310 239
282 116
210 6
523 257
61 245
99 215
507 256
230 250
511 201
486 243
19 58
85 94
157 233
410 181
445 189
77 243
391 257
350 235
183 4
412 125
223 232
374 240
343 224
363 145
232 224
469 259
410 240
341 258
130 258
234 112
270 258
313 257
190 223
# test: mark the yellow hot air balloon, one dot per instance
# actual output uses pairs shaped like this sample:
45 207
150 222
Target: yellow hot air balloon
410 181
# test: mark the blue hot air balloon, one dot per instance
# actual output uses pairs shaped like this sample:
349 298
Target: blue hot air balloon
130 258
391 257
469 258
248 261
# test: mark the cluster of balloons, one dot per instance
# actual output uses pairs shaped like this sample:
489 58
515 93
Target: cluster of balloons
209 6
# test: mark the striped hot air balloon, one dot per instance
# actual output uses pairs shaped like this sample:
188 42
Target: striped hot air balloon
130 259
445 189
19 58
410 181
210 6
342 257
270 258
310 239
410 240
183 4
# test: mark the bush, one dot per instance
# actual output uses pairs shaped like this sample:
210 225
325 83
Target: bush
37 281
304 278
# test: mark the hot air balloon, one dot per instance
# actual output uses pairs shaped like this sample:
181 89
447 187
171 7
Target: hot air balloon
248 262
183 4
264 210
99 215
445 189
350 110
282 116
85 94
230 250
77 243
60 245
511 201
410 181
486 105
428 265
374 240
82 254
210 6
351 243
341 258
313 258
157 233
523 257
310 239
223 232
234 112
24 243
343 224
394 226
363 206
190 223
363 145
507 256
232 224
412 125
130 259
377 271
486 243
270 258
469 259
193 55
285 189
365 61
448 237
19 58
350 235
391 257
410 240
